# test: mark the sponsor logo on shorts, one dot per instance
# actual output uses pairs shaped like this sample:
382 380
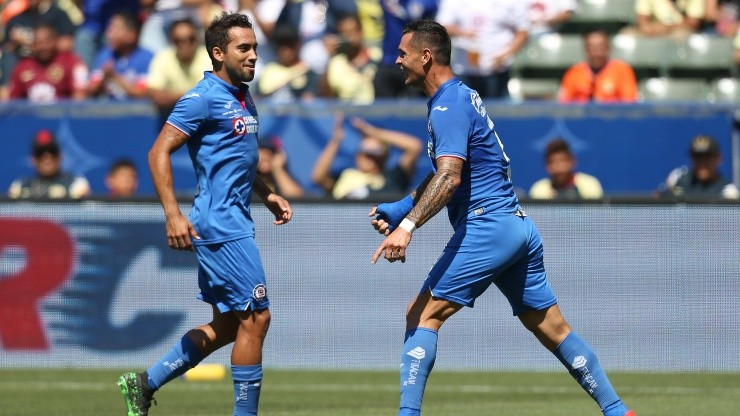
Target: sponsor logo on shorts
259 292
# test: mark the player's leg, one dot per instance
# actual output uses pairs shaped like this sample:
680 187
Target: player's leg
424 316
138 388
526 287
462 273
246 360
245 294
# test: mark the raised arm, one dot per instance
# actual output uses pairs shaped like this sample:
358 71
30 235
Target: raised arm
179 229
321 174
409 145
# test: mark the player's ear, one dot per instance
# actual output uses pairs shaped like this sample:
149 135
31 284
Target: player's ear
426 56
218 54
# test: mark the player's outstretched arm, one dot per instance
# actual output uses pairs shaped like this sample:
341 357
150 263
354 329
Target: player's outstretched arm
274 202
179 229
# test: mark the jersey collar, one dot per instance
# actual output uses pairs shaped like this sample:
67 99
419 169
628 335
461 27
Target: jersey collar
441 89
231 88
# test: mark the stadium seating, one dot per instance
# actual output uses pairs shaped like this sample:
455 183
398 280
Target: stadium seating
702 56
522 89
672 89
724 90
548 56
647 55
606 15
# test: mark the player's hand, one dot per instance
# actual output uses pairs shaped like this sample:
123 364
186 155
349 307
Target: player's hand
393 248
280 208
379 223
389 215
180 233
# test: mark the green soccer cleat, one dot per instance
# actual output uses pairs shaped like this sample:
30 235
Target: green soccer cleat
136 393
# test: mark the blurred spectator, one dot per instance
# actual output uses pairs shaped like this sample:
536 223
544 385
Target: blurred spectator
599 78
49 182
370 14
264 15
287 79
90 35
122 180
164 12
702 178
121 67
675 18
736 43
547 16
485 41
389 80
48 75
370 175
10 9
176 69
19 30
350 73
272 168
563 182
316 21
8 61
723 17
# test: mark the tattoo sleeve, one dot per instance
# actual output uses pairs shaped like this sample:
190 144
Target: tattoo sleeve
436 190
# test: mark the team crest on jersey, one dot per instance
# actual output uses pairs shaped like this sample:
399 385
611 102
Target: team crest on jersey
240 127
259 292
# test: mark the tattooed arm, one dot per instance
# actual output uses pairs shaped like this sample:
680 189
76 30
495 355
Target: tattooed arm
430 197
179 229
436 190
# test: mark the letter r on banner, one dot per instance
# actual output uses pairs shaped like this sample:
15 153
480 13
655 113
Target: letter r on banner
49 256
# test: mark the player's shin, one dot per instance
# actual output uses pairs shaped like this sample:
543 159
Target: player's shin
247 386
417 361
582 363
182 357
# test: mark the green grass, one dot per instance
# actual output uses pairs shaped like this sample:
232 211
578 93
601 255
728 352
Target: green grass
333 393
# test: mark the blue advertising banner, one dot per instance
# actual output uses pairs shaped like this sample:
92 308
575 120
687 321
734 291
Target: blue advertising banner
630 148
93 284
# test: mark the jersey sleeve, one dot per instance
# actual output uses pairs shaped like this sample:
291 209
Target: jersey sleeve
451 130
189 113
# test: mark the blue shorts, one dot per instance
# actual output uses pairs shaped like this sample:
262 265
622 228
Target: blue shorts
504 249
231 276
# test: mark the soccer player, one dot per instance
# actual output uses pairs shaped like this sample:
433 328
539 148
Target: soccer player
217 120
493 242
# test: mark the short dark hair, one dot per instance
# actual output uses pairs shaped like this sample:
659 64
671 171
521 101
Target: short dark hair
429 34
130 20
557 146
217 34
122 163
286 35
186 21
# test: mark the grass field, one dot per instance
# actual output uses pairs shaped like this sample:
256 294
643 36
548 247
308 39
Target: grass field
332 393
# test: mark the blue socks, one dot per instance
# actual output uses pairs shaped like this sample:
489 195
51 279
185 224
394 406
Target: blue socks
581 362
181 358
417 360
247 384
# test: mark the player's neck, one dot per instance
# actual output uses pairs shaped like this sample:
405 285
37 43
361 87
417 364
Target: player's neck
436 76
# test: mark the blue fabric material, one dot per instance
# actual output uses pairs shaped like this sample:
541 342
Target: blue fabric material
417 361
247 385
394 212
581 362
221 121
183 356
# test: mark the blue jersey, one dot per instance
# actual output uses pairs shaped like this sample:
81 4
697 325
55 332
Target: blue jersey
396 13
221 121
459 126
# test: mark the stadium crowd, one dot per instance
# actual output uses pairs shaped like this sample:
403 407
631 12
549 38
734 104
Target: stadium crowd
56 50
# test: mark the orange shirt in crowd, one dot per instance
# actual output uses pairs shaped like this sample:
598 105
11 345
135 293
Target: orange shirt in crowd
615 82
